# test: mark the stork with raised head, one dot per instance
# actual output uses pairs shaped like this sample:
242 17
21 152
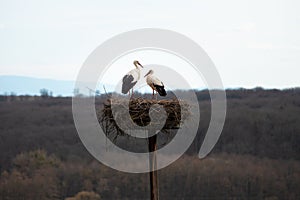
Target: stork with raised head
155 84
131 78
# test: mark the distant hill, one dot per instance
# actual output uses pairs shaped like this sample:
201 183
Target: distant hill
21 85
27 85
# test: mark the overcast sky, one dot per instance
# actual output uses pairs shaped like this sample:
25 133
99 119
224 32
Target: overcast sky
252 43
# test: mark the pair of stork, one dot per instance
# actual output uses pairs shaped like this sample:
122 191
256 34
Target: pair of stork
132 77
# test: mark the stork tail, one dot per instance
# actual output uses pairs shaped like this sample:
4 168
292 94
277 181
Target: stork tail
161 90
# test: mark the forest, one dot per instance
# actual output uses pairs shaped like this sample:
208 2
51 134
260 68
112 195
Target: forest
256 157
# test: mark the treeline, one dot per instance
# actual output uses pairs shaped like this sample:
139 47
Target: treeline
262 123
256 157
37 175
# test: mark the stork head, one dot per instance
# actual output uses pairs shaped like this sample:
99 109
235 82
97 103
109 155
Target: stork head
150 72
137 63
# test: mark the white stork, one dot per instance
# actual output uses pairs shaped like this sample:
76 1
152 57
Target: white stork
131 78
155 84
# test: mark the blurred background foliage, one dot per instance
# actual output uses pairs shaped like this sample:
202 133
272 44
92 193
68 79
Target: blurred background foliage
256 157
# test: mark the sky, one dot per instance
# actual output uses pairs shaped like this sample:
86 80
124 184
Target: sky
252 43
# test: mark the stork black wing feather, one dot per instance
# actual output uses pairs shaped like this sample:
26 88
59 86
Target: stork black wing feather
160 89
127 83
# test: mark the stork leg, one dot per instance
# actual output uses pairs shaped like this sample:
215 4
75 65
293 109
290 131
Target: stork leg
156 94
132 92
129 94
152 94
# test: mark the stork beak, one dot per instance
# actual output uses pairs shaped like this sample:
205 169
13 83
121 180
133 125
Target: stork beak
140 65
147 74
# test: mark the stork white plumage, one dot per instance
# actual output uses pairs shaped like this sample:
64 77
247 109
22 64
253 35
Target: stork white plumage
131 78
155 84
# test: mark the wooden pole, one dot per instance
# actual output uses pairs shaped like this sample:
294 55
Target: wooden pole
153 168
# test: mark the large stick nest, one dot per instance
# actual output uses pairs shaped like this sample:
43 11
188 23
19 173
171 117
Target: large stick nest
177 111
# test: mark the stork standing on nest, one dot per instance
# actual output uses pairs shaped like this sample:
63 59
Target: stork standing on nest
131 78
155 84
